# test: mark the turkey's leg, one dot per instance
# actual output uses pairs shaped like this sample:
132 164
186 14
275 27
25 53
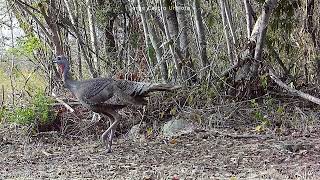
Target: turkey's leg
108 140
111 134
110 131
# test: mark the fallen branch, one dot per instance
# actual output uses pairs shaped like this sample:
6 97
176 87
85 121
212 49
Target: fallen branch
292 90
62 102
69 103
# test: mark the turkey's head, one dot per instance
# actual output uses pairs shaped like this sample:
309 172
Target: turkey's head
62 62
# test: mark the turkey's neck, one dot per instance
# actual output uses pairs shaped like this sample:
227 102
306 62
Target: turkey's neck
67 79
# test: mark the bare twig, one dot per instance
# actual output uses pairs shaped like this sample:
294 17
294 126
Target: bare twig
76 103
29 76
2 94
22 5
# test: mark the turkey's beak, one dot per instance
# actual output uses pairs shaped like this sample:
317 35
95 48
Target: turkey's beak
54 61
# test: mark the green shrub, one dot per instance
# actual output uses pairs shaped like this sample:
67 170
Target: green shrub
37 112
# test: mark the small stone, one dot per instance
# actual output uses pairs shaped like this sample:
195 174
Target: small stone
177 127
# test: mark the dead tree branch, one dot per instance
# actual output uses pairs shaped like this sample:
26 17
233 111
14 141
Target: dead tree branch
292 90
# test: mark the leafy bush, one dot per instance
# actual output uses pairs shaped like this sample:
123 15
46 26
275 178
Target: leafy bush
26 46
37 112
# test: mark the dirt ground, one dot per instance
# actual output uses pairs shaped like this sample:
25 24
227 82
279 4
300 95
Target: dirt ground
218 154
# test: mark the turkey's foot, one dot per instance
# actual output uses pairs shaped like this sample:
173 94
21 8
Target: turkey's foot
109 149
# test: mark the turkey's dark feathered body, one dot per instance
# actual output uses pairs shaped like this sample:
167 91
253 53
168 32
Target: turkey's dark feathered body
106 95
111 93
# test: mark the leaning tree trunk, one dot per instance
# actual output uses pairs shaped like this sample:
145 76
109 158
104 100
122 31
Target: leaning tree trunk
230 21
51 19
246 81
150 33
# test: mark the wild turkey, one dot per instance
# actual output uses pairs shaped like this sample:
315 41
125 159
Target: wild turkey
107 95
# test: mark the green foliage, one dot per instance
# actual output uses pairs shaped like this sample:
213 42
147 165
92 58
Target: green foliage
41 106
107 12
1 114
37 112
284 15
280 110
152 54
258 115
134 39
26 46
201 95
254 104
282 25
21 115
264 81
214 18
20 73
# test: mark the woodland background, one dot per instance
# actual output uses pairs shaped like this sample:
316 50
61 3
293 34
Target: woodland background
220 51
252 66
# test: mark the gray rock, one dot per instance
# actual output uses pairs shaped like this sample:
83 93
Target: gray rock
134 133
176 127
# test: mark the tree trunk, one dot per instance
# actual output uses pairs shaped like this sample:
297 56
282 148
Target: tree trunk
79 58
158 50
142 8
188 71
247 82
93 36
249 17
51 20
171 19
265 16
225 30
200 32
171 31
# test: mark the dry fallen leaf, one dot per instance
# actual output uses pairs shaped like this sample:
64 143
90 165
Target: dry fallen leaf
173 141
147 178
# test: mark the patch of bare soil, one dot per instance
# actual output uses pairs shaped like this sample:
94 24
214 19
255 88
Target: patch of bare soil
198 155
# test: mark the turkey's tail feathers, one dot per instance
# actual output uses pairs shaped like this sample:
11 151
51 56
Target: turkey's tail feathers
135 92
135 89
162 87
